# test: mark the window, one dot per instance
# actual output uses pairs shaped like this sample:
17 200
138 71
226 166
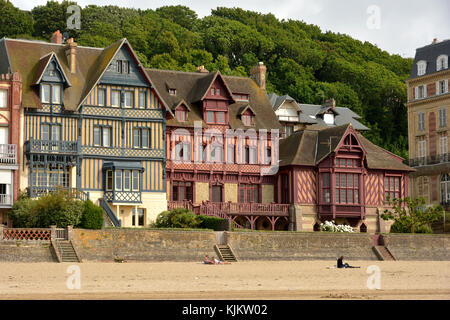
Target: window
421 68
347 163
442 62
230 153
243 97
443 148
248 193
445 188
102 136
220 117
210 117
326 193
45 93
247 120
217 92
216 153
288 130
115 98
215 117
142 99
129 99
56 94
51 132
422 148
141 138
109 180
122 66
118 180
56 132
212 91
392 187
421 92
135 180
421 121
45 132
3 98
347 188
250 155
126 180
101 97
172 92
182 191
442 87
51 176
181 115
284 188
328 118
442 117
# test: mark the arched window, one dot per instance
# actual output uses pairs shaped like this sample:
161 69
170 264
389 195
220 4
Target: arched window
442 62
445 188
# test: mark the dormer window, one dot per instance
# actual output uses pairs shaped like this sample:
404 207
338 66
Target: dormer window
172 92
181 115
247 120
51 93
240 97
442 62
328 118
421 68
212 91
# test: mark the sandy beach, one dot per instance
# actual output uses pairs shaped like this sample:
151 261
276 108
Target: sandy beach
241 280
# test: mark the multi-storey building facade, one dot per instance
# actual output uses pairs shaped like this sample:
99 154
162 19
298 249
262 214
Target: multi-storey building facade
428 105
92 122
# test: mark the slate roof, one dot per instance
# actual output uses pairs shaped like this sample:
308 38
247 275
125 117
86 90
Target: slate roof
29 57
430 53
310 146
192 87
309 113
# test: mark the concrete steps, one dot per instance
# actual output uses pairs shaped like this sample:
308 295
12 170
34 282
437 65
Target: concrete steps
225 253
66 251
383 253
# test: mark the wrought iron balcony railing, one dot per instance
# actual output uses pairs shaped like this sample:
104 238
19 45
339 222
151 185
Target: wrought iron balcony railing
429 160
35 192
8 154
51 146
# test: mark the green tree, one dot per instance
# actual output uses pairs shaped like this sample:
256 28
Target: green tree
13 21
411 215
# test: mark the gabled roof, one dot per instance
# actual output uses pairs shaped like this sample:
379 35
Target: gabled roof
309 147
26 57
192 86
42 66
245 108
430 53
277 101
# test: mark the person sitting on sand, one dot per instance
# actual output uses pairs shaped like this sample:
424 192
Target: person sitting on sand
207 261
341 264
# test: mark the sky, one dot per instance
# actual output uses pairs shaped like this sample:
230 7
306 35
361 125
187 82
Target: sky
397 26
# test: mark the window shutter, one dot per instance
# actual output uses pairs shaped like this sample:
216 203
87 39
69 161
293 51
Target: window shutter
425 91
446 86
416 92
437 88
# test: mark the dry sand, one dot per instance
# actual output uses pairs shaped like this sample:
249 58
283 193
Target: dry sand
241 280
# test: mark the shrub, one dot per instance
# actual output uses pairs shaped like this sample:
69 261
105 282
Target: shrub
92 217
177 218
208 222
401 227
23 213
329 226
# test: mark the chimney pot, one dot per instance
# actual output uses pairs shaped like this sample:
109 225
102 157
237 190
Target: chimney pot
435 40
202 69
331 103
56 37
71 54
258 74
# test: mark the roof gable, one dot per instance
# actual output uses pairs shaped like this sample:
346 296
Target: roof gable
43 72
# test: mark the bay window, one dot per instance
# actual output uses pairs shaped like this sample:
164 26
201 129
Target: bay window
347 188
326 193
392 187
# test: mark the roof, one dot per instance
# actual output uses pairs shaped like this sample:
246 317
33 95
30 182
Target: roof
29 58
192 87
430 53
309 113
309 147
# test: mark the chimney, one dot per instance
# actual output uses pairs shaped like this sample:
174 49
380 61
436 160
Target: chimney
435 40
71 54
56 37
330 103
202 69
258 74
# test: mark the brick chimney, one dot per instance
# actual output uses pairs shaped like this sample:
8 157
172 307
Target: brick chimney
71 54
56 37
258 74
202 69
330 103
435 40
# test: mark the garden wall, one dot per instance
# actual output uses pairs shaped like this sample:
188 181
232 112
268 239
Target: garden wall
26 251
418 246
143 244
301 246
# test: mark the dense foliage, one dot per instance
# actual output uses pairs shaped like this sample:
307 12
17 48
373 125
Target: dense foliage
411 215
56 208
184 218
304 62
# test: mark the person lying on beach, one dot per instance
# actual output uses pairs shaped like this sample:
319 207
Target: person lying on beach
341 264
207 261
216 261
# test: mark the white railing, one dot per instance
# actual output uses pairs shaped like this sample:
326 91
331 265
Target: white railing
8 153
5 199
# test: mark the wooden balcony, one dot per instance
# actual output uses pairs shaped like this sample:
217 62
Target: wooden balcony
8 154
50 146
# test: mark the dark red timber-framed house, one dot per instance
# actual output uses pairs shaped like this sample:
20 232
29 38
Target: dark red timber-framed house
220 177
334 173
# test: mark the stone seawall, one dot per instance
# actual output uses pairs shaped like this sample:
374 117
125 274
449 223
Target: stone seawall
419 246
301 246
143 244
26 251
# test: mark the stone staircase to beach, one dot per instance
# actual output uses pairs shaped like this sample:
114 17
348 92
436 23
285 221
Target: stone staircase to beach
225 253
66 251
383 253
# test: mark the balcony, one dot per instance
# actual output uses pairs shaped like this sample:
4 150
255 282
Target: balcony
6 200
36 192
8 154
50 146
430 160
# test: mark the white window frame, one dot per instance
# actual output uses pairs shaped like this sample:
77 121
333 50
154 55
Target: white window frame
118 177
113 92
56 98
109 173
421 121
442 62
135 184
126 180
129 94
443 144
3 98
43 95
442 117
103 91
421 67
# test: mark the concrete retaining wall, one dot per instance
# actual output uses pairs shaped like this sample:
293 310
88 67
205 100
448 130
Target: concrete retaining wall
143 244
26 251
418 246
300 246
